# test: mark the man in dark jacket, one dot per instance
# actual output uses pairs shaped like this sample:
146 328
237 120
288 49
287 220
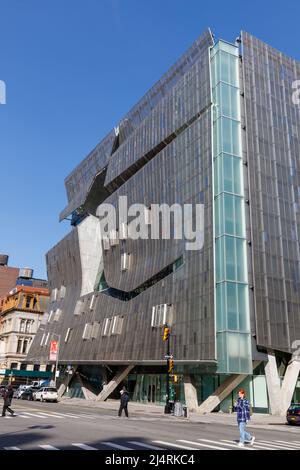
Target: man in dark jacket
7 397
123 403
242 407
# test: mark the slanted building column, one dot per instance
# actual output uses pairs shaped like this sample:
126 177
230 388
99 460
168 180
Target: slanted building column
190 393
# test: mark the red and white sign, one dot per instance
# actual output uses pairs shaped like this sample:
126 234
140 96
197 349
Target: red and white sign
53 350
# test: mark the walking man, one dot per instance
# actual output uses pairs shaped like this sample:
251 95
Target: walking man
7 397
124 402
242 407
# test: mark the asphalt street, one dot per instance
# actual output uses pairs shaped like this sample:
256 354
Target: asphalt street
63 426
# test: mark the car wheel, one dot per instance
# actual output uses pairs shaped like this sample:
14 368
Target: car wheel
28 398
42 399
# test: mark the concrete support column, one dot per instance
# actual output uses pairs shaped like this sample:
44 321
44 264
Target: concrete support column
88 394
112 385
289 384
190 393
223 391
66 382
273 383
280 396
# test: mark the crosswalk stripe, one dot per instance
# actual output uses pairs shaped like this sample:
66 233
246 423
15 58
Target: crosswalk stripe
202 445
147 446
87 416
47 447
249 448
116 446
297 442
171 444
273 444
264 445
227 443
48 414
83 446
23 416
68 415
289 444
11 448
35 415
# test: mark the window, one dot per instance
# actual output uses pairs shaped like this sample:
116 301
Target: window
92 302
19 346
124 261
117 324
25 344
57 314
79 307
36 367
46 339
22 326
23 366
68 334
50 316
54 295
161 314
62 292
14 365
106 329
123 231
95 330
28 301
42 339
28 326
87 331
114 238
106 245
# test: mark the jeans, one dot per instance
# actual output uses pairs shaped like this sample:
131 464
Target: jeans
123 407
244 435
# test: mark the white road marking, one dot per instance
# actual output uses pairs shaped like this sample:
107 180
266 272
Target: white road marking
289 444
35 415
66 415
23 416
116 446
227 443
11 448
47 447
266 445
147 446
203 445
48 414
171 444
83 446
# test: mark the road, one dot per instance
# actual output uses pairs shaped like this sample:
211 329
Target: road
51 426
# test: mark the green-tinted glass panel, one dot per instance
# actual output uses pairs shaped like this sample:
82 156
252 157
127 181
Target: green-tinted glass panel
221 307
237 177
232 313
230 258
242 291
240 259
229 214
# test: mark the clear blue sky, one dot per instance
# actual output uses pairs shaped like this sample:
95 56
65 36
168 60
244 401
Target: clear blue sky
72 69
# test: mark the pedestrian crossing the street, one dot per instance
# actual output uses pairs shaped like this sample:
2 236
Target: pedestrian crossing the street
180 444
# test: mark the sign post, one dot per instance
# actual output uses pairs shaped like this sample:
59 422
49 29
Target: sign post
53 356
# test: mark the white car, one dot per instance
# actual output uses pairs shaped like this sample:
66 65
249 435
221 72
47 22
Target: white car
46 394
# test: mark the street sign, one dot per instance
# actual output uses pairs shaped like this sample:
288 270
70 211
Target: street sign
53 350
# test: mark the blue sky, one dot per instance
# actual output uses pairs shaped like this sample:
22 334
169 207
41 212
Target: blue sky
72 69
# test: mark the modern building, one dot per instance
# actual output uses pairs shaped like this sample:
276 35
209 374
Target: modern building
8 275
220 131
21 313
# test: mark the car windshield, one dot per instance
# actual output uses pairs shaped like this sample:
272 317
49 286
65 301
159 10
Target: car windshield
294 407
51 390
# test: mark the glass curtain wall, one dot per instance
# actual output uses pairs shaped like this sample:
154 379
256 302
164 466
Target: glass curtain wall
231 273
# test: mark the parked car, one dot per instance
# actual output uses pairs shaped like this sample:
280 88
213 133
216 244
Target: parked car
293 414
28 393
46 394
20 390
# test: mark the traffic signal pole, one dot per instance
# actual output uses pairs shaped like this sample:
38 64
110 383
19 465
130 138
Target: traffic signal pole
167 406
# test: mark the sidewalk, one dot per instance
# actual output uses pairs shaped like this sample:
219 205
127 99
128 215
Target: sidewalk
263 421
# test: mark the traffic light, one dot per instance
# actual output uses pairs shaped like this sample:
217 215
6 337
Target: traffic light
175 378
166 333
170 364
